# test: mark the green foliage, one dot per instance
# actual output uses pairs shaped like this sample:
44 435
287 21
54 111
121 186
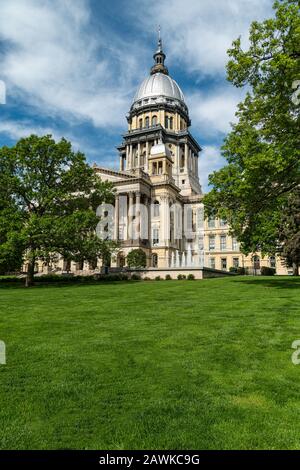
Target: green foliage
168 277
266 271
190 277
289 231
158 278
135 277
263 148
136 258
181 277
48 201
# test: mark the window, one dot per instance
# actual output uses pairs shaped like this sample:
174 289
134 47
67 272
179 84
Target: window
256 262
272 261
183 182
235 262
141 123
223 223
223 242
147 122
166 122
155 236
160 168
154 260
212 242
154 120
211 222
212 263
171 123
235 245
224 264
156 209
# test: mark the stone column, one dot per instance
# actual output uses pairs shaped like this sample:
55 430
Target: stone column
129 216
139 154
116 224
130 157
147 156
138 213
186 155
127 157
165 220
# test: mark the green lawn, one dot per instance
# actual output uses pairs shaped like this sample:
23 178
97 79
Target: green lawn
170 364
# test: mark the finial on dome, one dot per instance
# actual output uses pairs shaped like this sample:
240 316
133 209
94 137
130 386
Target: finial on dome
159 57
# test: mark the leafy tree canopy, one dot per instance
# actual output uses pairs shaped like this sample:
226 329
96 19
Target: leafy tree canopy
136 258
48 201
263 148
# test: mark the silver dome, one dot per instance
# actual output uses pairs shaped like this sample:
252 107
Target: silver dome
159 84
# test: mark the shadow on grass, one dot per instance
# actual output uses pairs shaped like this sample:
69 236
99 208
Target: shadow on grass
21 285
274 282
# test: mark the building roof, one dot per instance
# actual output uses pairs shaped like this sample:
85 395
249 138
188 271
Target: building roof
159 84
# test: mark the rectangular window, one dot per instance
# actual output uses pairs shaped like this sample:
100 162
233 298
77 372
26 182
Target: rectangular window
211 222
212 263
236 262
212 243
235 245
223 242
224 264
155 236
223 223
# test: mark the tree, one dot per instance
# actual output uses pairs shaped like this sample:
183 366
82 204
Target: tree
289 232
137 258
262 150
48 199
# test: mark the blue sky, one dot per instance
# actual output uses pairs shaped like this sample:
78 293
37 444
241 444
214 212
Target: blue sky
71 67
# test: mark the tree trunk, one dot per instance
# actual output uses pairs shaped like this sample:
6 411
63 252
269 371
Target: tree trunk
30 273
295 269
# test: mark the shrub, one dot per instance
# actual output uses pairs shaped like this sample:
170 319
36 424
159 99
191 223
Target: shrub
180 277
136 258
191 277
266 271
135 277
233 269
168 277
241 271
158 278
147 279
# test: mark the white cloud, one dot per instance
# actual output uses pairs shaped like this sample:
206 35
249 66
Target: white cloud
52 61
210 159
212 112
197 33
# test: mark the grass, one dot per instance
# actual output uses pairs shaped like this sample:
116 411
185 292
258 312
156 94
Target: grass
151 365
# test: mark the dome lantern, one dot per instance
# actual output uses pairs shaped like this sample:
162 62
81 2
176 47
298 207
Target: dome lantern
159 58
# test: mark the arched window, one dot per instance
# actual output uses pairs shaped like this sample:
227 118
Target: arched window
154 260
147 122
171 123
141 123
154 120
156 209
166 122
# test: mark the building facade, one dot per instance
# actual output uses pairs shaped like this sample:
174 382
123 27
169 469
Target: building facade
158 205
159 172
